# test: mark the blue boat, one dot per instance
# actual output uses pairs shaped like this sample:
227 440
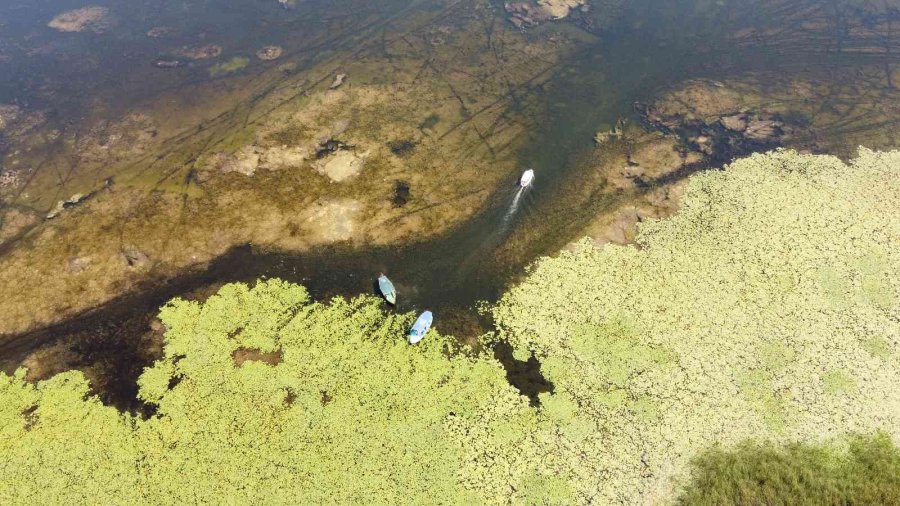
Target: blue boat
423 323
387 289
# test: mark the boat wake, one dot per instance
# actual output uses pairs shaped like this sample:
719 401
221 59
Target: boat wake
492 241
514 206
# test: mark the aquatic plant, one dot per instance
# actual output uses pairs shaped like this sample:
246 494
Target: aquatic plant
766 310
349 413
227 67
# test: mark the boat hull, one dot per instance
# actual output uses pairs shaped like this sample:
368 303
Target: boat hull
526 179
387 289
420 328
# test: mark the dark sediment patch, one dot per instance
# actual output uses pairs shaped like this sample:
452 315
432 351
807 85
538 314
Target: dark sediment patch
329 146
402 148
401 193
242 355
430 122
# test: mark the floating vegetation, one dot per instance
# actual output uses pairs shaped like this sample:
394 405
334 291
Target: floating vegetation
708 324
227 67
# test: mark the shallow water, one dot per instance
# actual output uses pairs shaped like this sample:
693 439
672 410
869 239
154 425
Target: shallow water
627 52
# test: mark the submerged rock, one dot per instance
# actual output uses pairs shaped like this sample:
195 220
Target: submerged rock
78 264
16 122
92 18
720 136
134 258
200 52
704 144
248 159
525 14
278 157
342 166
334 220
559 9
763 129
158 32
604 136
9 179
245 161
338 81
109 142
8 115
65 204
269 53
340 126
736 122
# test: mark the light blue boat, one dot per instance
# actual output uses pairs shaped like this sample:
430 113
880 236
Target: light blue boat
418 330
387 289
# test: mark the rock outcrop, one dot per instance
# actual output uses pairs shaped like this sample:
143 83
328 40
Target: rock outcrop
200 52
525 14
721 136
338 81
559 9
269 53
342 166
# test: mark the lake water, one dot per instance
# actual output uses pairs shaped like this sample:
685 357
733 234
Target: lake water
623 52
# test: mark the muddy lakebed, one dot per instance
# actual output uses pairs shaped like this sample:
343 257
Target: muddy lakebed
160 150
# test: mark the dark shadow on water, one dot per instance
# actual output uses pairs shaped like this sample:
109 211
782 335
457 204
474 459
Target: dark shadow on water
116 340
525 375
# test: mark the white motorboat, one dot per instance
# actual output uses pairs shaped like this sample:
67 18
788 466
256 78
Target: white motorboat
527 178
